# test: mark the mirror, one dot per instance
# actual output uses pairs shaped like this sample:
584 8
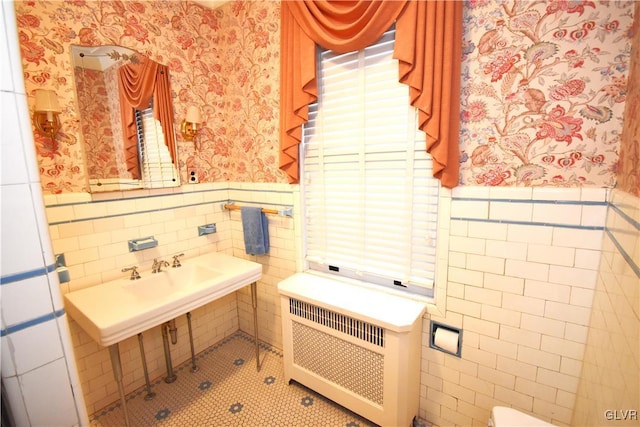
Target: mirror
126 146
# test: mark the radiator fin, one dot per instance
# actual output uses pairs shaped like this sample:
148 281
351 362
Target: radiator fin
356 328
346 364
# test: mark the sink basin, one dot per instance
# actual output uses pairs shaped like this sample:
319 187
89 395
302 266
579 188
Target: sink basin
116 310
169 282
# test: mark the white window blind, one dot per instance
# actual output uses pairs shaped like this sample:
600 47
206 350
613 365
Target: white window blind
156 165
369 194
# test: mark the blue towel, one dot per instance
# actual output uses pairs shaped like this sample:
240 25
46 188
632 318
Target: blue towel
256 231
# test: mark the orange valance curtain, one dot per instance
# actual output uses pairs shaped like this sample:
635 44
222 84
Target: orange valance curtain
138 82
428 46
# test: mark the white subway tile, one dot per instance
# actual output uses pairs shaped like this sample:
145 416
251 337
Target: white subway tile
474 383
458 227
547 291
11 384
464 276
539 358
582 297
469 209
577 333
518 193
485 263
517 399
487 230
562 347
570 366
543 325
556 379
463 306
500 315
25 300
50 384
468 191
551 255
511 250
496 377
587 258
550 213
567 313
555 194
35 346
520 336
530 234
592 194
514 285
482 327
523 304
527 270
467 245
579 277
517 368
594 216
539 391
510 211
483 296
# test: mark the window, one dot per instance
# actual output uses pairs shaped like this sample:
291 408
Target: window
369 196
156 167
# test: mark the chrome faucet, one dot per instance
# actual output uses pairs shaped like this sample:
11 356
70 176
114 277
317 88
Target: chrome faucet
134 272
157 265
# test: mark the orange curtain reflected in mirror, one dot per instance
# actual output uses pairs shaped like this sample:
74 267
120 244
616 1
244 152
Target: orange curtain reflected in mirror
138 84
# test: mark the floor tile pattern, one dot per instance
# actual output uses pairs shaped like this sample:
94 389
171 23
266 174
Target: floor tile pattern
227 390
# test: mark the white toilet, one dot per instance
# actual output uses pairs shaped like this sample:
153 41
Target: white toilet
501 416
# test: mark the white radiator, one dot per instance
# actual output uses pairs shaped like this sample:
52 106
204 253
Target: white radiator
356 346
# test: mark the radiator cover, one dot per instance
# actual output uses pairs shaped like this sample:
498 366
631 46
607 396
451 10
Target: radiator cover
369 367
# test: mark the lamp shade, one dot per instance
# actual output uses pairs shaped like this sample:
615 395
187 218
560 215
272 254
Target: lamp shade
46 101
193 115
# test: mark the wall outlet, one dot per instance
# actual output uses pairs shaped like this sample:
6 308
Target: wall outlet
192 176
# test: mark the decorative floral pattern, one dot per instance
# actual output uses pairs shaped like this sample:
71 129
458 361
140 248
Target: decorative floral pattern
546 80
225 60
543 92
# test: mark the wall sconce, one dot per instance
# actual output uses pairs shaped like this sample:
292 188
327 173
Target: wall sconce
189 126
46 112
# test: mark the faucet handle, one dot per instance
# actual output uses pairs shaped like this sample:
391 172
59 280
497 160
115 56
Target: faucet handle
176 261
134 272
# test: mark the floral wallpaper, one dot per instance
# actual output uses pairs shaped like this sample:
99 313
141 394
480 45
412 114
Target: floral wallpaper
543 91
629 163
225 61
103 159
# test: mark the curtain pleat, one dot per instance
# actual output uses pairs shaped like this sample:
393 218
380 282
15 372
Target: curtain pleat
138 82
428 47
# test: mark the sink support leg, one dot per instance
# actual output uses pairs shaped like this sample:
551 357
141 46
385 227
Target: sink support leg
194 368
171 377
254 303
114 352
150 395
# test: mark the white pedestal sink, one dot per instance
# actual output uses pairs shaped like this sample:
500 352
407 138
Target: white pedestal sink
116 310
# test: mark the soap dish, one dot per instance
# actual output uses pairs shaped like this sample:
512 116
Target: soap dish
143 243
206 229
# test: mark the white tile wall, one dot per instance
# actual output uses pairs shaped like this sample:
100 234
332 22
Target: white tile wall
611 368
96 249
521 280
38 370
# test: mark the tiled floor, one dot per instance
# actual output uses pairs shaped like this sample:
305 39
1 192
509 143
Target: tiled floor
228 391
